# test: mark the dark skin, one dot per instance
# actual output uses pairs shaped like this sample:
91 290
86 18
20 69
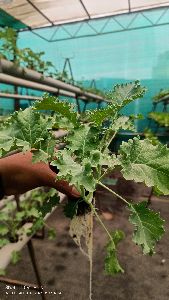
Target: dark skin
20 175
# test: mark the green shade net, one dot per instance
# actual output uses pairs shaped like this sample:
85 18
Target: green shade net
113 58
8 20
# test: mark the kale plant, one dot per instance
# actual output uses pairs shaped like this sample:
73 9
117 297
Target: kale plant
86 160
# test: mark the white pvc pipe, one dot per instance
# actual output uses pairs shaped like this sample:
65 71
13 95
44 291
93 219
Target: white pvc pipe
21 97
10 68
8 79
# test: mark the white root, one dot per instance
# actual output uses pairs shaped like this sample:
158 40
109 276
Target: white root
81 230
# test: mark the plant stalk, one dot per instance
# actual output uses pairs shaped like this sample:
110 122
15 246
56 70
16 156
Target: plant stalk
100 221
114 193
113 136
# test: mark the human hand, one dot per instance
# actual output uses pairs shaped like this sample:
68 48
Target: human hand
20 175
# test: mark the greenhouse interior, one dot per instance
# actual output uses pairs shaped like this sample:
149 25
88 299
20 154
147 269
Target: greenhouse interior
84 149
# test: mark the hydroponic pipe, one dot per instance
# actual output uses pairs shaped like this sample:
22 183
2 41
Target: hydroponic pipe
11 80
21 97
10 68
8 79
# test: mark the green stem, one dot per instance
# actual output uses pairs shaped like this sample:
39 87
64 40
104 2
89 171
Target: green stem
107 171
47 226
99 219
113 136
107 135
114 193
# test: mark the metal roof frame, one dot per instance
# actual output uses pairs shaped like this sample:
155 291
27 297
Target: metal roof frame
94 32
89 19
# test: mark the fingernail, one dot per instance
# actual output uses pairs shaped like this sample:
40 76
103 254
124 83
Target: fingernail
75 191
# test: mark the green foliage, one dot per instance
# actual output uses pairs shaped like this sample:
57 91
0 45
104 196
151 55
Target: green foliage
148 226
151 136
28 130
33 60
159 97
112 266
64 109
8 47
15 257
162 118
37 225
86 159
70 209
119 97
9 224
126 93
2 272
51 234
52 199
27 58
3 229
157 192
80 175
3 242
100 115
32 209
63 76
143 162
84 140
123 122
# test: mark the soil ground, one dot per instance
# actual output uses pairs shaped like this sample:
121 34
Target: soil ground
65 271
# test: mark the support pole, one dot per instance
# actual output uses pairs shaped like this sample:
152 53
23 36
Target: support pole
84 108
99 105
35 267
78 104
16 100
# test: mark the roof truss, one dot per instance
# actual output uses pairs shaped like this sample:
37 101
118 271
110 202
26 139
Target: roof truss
101 17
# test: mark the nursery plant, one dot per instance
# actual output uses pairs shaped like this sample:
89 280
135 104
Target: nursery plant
8 46
27 58
87 159
162 118
94 91
30 209
34 61
163 93
24 57
149 134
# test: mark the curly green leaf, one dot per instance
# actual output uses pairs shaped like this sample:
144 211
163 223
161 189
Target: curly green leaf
112 266
148 226
63 108
143 162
